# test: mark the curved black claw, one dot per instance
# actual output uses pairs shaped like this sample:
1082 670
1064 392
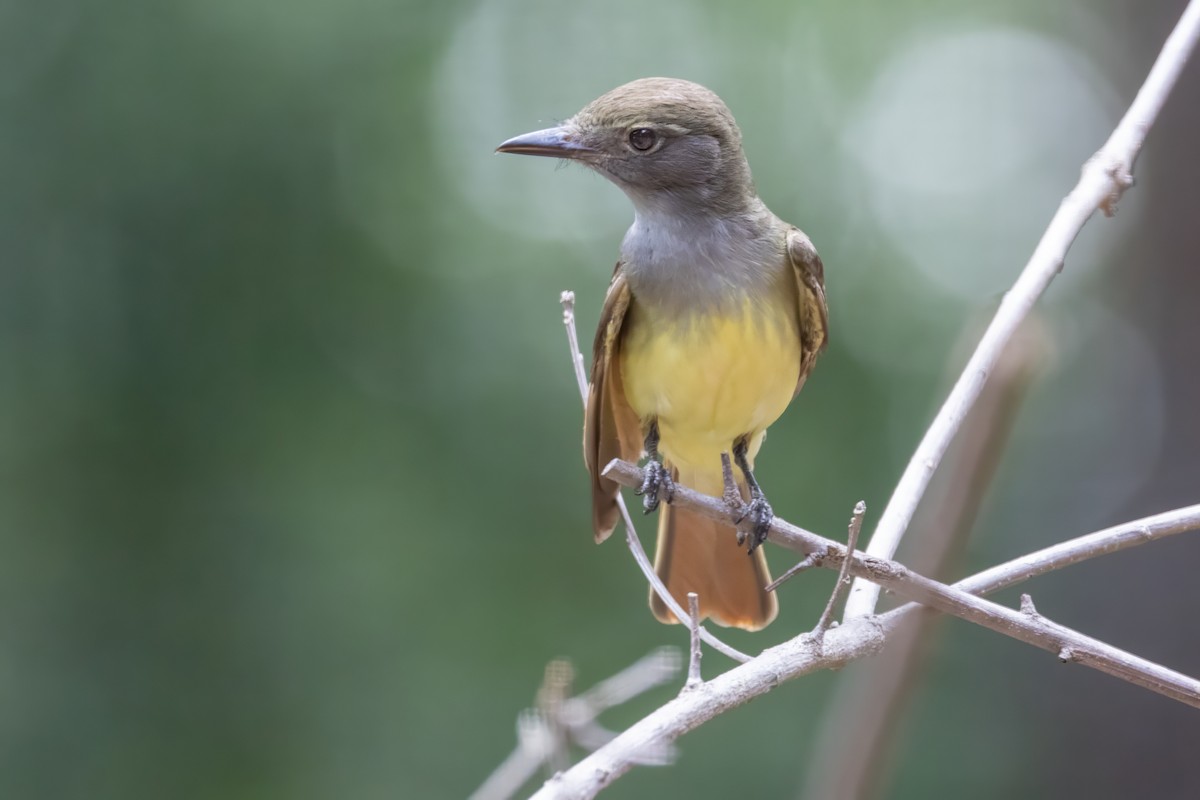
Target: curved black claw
759 512
657 485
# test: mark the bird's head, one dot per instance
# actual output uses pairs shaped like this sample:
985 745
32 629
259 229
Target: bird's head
661 140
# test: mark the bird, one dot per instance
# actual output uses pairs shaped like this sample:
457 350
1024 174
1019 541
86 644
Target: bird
714 318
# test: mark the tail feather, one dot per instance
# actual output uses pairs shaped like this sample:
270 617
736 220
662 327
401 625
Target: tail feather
697 554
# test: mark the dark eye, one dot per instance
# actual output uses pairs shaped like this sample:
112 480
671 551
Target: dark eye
642 139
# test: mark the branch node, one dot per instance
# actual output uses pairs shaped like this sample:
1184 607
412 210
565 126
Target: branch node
1027 607
1066 655
1122 179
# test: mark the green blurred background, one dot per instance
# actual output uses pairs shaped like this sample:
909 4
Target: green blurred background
292 500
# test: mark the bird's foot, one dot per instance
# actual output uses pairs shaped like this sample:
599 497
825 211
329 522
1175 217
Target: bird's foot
657 485
759 512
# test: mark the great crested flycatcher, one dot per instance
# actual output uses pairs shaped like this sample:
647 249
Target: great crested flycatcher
713 320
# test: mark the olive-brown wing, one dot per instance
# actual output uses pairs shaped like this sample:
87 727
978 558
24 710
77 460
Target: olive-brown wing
813 311
611 429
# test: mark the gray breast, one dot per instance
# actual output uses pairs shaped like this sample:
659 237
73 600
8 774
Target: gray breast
687 264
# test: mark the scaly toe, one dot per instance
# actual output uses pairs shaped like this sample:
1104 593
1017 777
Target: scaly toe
761 515
656 485
667 485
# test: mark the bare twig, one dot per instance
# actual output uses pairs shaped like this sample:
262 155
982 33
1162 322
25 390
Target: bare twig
655 669
1073 551
567 300
808 562
543 733
801 655
843 580
906 583
532 751
733 688
857 740
643 562
693 678
1105 177
557 684
857 731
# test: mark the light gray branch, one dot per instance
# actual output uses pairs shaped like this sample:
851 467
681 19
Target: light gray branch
1105 177
804 654
567 301
655 669
856 743
693 677
896 577
1073 551
843 580
643 562
690 709
544 732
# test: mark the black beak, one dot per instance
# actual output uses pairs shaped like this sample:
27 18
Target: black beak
560 142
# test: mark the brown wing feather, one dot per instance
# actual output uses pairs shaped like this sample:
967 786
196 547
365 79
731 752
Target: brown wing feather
610 427
814 313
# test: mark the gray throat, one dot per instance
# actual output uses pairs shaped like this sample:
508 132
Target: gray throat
692 261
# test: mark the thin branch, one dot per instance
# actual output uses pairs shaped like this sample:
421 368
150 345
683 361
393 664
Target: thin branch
693 678
808 562
858 740
803 654
1105 177
557 685
906 583
543 733
532 751
843 580
655 669
643 562
1073 551
688 710
857 734
567 301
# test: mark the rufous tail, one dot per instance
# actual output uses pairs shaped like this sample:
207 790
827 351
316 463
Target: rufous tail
697 554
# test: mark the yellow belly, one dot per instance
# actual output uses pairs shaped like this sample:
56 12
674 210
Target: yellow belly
710 379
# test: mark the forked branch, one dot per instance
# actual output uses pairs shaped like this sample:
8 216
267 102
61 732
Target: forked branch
895 577
850 641
1105 178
